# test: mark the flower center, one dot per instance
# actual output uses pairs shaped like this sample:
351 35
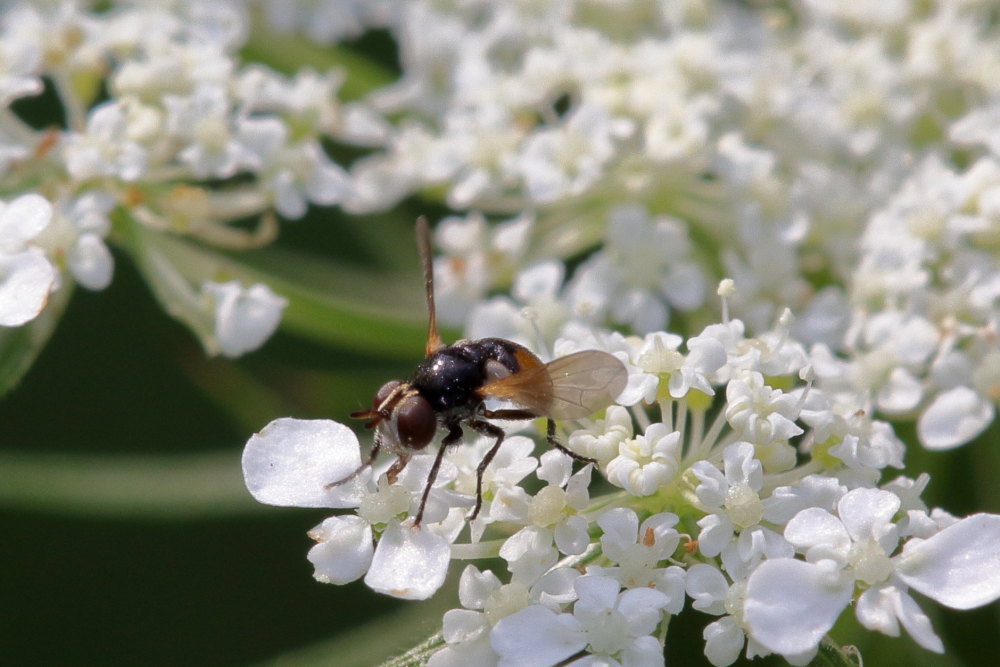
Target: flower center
661 360
505 601
547 506
870 562
735 597
743 505
389 501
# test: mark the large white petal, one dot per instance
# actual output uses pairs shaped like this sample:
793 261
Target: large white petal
536 637
791 604
960 566
409 563
954 418
290 461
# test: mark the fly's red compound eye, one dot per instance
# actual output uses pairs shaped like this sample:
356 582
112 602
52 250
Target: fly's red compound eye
384 392
416 422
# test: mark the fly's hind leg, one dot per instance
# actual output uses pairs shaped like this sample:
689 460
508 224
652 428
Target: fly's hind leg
550 436
495 431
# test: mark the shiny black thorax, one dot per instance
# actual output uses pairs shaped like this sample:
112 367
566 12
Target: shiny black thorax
449 378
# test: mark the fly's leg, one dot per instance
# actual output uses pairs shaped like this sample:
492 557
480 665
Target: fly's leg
485 428
361 468
454 435
550 436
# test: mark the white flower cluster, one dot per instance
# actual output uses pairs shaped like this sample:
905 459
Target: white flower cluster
776 137
838 159
756 494
164 132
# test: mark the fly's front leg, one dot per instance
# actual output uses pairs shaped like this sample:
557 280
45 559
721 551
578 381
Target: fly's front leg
367 464
454 435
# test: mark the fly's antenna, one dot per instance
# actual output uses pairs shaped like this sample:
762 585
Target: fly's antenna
427 263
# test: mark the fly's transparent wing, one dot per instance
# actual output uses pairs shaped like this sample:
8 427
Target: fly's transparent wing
570 387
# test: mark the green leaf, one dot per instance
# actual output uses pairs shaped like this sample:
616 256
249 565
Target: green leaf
20 346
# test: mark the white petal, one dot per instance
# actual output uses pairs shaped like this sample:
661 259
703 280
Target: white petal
571 535
244 317
901 393
815 528
22 220
476 652
707 587
658 532
960 566
867 513
596 592
954 418
26 278
917 624
716 532
874 610
670 581
620 525
741 466
712 484
475 587
91 262
344 551
641 607
790 604
290 461
409 563
461 625
723 641
643 652
554 467
556 587
536 637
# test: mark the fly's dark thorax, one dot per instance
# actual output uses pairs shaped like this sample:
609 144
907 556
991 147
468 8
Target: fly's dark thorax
450 378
